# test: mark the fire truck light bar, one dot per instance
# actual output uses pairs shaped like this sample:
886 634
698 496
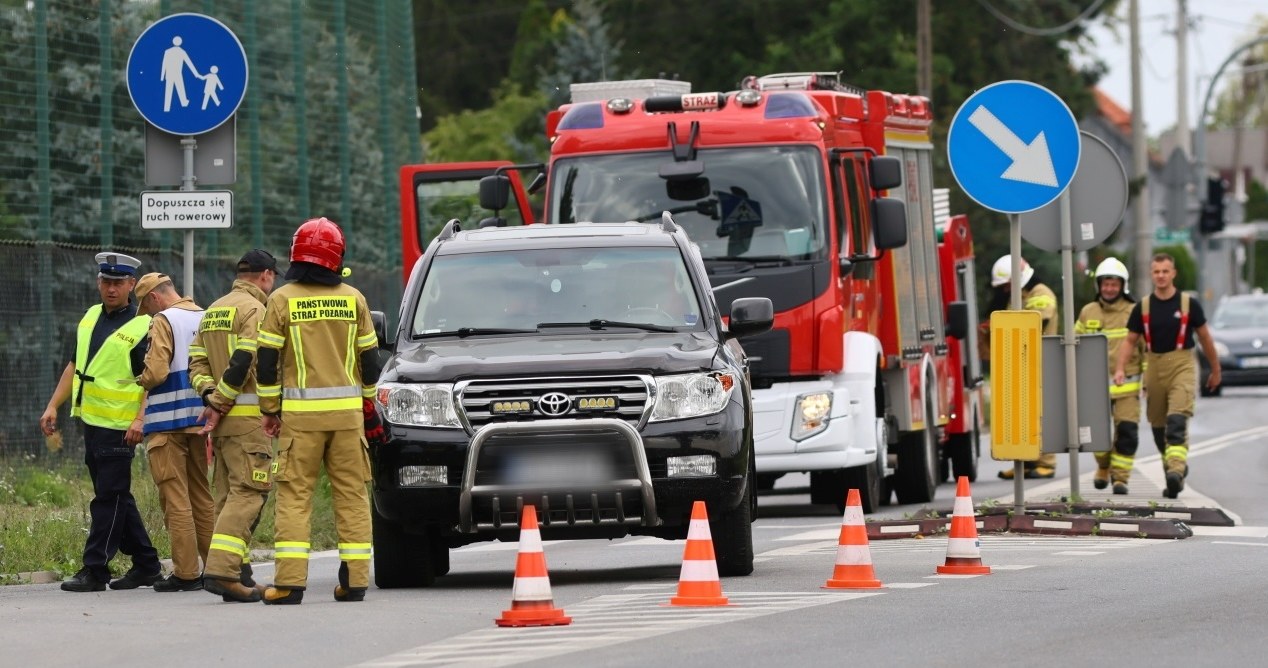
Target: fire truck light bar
688 102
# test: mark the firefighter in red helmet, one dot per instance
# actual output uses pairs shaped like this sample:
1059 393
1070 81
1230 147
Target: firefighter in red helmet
317 361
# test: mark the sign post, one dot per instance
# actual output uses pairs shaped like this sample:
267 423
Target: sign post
186 75
1013 147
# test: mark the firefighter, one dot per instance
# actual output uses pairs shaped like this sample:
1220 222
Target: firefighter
177 452
1035 296
109 350
317 362
1167 320
222 369
1108 315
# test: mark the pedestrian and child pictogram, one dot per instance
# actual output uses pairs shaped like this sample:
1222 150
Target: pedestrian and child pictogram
187 74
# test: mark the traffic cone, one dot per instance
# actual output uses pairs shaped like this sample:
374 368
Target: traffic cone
531 602
964 556
854 557
698 583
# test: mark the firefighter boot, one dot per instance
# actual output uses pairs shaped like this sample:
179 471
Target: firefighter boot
345 593
1176 456
232 591
1119 477
1101 478
247 576
283 596
1045 467
1177 470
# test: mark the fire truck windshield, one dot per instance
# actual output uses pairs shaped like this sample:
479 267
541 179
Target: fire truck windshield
751 202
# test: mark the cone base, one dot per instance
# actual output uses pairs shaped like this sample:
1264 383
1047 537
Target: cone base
699 601
852 584
537 613
964 567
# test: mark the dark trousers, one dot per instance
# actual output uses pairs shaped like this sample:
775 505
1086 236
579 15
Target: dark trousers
115 524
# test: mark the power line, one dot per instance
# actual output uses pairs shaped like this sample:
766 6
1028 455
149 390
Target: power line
1042 32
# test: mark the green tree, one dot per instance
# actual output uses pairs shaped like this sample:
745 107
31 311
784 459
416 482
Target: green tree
511 129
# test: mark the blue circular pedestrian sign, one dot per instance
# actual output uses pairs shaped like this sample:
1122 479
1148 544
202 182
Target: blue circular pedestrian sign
187 74
1013 146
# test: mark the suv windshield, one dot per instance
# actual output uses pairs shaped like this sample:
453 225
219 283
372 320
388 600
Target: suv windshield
518 290
1241 313
751 202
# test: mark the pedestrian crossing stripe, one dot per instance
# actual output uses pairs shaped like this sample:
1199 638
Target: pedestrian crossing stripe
989 543
601 622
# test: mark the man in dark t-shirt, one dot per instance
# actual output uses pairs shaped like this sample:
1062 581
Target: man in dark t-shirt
1168 320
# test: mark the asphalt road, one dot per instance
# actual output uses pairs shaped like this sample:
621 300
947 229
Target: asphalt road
1050 601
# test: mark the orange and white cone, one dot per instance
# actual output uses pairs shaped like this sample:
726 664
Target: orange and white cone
698 583
854 557
964 555
531 601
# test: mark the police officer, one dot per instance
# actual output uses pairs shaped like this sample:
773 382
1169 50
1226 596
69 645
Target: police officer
317 360
1167 320
109 350
1108 315
177 452
1035 296
222 369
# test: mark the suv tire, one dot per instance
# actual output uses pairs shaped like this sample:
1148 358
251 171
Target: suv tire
733 536
402 559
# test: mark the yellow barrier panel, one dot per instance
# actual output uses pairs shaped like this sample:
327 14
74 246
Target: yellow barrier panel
1016 385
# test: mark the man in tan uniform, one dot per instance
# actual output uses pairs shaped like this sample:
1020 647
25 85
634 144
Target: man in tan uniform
317 360
1035 296
222 368
1108 315
177 452
1167 320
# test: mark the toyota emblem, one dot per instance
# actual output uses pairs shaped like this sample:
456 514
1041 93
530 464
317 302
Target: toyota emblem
554 404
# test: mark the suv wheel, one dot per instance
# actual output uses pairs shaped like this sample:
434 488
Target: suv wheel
733 536
402 559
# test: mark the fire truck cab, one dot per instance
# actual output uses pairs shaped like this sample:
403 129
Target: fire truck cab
797 188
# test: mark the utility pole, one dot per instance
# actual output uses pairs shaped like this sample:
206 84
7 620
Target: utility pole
924 49
1140 170
1183 140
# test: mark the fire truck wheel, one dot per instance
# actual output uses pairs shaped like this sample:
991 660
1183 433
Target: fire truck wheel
916 479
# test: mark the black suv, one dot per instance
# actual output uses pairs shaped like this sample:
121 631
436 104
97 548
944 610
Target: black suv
584 369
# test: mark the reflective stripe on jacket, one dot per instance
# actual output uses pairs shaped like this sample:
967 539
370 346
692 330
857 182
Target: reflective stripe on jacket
172 403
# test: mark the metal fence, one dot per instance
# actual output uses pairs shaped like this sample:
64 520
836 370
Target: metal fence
329 115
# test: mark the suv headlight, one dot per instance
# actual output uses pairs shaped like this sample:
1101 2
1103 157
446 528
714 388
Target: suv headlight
418 405
811 415
691 395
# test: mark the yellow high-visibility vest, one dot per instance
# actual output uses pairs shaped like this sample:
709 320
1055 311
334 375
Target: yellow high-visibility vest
100 399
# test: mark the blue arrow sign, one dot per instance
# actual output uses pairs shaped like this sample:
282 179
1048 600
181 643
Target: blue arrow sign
1013 146
187 74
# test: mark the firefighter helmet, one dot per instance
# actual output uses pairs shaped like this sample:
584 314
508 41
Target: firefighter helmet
1111 266
1002 272
319 241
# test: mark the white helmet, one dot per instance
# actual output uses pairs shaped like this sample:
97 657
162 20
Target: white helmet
1002 272
1111 266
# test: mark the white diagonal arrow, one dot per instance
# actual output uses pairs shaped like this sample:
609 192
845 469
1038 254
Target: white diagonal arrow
1032 163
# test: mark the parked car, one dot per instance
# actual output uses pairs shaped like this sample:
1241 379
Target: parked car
1240 330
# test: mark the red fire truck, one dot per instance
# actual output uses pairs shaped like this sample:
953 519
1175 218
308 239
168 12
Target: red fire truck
795 187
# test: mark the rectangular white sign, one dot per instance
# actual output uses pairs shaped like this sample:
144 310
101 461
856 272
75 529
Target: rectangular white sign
187 210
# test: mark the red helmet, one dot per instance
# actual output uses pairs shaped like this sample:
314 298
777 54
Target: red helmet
319 241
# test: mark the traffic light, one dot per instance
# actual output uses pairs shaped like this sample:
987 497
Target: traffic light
1212 217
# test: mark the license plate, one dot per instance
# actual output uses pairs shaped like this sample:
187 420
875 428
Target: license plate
1254 362
547 468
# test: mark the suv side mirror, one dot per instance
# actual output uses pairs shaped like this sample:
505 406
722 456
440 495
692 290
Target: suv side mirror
495 191
958 320
885 172
379 319
750 316
889 223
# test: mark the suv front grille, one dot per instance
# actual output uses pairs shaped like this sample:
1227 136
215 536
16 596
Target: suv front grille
554 398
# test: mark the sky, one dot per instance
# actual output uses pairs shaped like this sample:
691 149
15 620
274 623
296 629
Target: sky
1217 27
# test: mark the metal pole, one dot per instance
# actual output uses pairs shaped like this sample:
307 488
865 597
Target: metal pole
1068 343
1182 78
1140 169
1014 304
189 145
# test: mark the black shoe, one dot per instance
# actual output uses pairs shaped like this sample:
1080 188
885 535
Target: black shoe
247 576
1175 484
1040 472
173 583
1120 488
345 593
83 581
134 578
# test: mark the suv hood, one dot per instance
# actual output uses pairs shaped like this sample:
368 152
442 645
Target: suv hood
451 359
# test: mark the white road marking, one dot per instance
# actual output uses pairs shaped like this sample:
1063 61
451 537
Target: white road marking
601 622
1237 542
1238 532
